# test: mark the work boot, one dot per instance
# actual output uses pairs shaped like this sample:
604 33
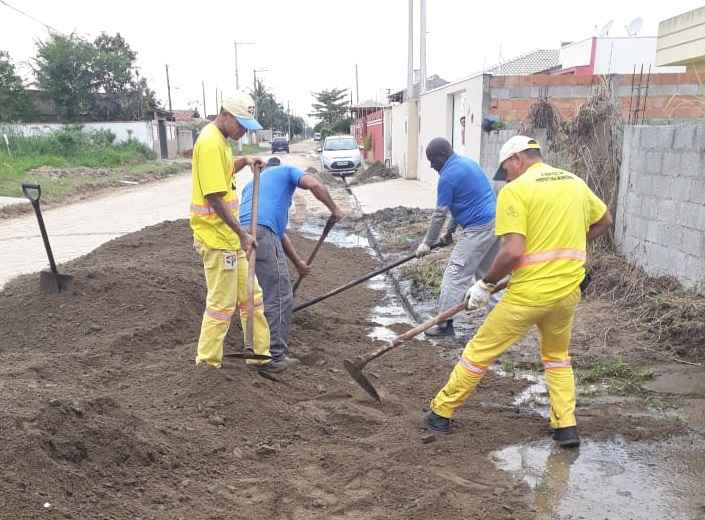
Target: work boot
566 437
445 330
276 366
436 423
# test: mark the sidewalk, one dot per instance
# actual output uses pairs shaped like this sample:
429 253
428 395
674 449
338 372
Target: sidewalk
396 192
77 229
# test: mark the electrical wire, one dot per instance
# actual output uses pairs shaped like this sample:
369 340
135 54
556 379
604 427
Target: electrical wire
33 18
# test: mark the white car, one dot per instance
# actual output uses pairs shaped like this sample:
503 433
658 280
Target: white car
340 155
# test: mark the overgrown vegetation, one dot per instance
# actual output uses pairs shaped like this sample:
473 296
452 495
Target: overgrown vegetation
59 152
425 276
616 375
590 145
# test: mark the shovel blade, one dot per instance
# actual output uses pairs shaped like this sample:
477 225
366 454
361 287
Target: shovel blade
247 355
355 372
51 283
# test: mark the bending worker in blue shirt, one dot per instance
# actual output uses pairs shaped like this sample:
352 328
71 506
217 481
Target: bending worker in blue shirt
465 193
277 186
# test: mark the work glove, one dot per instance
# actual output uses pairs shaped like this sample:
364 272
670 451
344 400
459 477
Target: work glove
478 295
446 240
422 250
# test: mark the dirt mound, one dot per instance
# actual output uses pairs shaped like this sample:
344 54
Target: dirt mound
375 172
104 415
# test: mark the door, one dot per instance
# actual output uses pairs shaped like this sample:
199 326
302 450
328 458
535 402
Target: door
458 131
163 151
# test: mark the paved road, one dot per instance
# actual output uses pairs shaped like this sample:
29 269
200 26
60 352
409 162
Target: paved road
79 228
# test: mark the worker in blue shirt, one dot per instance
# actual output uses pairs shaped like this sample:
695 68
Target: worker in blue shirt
465 193
277 185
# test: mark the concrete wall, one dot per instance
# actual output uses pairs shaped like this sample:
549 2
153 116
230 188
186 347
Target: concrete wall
620 55
398 141
145 132
660 221
681 40
491 143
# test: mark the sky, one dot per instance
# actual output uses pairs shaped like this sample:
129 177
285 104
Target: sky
310 45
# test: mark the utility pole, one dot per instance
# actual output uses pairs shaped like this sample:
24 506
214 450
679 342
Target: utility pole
357 86
205 110
412 120
168 86
288 115
237 72
254 90
217 106
422 31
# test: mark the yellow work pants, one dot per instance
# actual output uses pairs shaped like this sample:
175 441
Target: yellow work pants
226 278
506 324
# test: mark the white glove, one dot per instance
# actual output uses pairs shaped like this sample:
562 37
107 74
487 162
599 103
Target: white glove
478 295
423 250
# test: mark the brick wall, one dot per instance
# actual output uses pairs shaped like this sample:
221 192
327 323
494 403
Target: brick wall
660 221
670 96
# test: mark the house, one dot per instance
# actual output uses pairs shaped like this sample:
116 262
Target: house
681 41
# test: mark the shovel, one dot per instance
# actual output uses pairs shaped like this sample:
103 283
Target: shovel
248 350
358 281
326 230
355 367
50 282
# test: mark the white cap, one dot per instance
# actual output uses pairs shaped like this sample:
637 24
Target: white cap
242 106
516 144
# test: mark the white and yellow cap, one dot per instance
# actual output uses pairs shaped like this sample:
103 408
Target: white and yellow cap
242 106
516 144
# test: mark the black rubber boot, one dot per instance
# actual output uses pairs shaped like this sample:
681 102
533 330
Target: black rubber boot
436 423
566 437
445 330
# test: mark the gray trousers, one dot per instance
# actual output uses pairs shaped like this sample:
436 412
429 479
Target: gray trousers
470 260
272 268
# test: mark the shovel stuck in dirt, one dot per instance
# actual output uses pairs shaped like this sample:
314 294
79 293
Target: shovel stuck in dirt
248 351
355 367
50 282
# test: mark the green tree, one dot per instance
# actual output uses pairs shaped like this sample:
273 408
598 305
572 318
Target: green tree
64 69
331 106
15 104
270 113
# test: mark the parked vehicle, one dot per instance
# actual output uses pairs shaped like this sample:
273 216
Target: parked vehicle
317 136
280 144
340 155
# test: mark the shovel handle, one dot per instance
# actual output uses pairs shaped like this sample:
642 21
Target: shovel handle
326 230
252 260
444 316
32 191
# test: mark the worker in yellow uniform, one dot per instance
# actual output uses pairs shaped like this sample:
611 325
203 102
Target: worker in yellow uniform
545 217
222 243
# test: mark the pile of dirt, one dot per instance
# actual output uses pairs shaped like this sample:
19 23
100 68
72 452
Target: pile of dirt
52 172
104 415
659 307
375 172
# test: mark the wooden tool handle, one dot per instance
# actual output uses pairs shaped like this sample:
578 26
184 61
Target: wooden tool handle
252 259
326 230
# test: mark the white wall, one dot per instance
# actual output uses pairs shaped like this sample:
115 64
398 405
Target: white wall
139 130
398 151
577 54
436 114
620 55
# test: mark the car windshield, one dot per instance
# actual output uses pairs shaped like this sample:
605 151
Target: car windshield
280 140
340 144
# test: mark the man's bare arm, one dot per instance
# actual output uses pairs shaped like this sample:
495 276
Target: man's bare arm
600 227
510 252
293 255
216 202
309 182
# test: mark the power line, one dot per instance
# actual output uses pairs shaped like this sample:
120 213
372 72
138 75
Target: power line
33 18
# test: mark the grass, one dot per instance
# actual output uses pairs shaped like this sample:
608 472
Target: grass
250 149
426 277
71 161
616 375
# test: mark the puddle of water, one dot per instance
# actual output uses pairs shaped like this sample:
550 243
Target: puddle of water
389 312
613 479
339 237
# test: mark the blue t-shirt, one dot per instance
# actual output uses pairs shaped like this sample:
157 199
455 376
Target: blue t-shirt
276 189
464 189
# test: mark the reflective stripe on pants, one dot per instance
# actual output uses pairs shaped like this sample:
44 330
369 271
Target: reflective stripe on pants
226 289
504 325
